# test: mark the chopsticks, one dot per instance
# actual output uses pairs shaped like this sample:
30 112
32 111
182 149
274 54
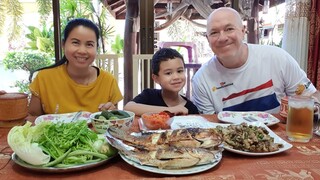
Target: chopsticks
252 119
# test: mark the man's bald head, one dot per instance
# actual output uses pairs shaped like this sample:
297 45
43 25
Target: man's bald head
225 12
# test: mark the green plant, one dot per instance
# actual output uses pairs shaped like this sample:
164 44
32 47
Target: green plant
45 7
11 10
23 86
41 40
117 45
27 60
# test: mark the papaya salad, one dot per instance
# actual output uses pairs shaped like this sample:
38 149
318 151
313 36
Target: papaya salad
59 145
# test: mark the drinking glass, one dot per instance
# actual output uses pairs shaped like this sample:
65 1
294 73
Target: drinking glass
300 119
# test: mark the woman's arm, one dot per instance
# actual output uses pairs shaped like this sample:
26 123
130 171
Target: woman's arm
35 107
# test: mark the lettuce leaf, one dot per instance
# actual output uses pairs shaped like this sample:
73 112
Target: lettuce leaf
20 139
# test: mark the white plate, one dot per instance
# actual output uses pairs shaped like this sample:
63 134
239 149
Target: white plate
184 171
179 122
235 117
80 167
67 117
277 139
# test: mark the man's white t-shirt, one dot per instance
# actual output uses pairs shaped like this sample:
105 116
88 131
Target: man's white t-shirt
268 74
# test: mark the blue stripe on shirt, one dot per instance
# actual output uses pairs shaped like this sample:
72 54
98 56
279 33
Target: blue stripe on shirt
261 104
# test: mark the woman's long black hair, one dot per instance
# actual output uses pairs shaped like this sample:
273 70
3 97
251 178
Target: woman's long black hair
69 27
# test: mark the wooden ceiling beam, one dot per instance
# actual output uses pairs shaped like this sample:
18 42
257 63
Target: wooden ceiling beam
121 10
118 7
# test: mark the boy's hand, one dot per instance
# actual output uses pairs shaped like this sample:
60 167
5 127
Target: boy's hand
179 110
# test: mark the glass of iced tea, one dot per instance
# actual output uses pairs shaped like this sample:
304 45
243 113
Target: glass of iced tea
300 118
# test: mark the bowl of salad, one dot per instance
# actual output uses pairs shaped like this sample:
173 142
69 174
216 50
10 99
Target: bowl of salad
155 121
102 120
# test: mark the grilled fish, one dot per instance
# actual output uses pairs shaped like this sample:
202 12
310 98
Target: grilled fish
190 137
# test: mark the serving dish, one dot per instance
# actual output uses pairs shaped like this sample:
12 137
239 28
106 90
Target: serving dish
236 117
184 171
66 117
178 122
277 139
155 121
21 163
144 159
101 125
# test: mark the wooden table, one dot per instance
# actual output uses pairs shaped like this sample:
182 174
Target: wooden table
302 161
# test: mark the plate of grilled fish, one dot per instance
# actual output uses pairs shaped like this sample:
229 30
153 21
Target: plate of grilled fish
252 139
182 171
175 152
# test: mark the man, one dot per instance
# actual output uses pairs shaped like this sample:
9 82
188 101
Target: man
241 76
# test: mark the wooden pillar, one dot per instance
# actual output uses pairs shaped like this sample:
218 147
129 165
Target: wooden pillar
252 24
57 29
146 27
129 47
147 32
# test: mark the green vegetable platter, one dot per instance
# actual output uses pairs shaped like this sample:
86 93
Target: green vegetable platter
74 168
59 147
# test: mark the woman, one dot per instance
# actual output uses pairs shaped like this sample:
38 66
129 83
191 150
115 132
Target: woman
73 84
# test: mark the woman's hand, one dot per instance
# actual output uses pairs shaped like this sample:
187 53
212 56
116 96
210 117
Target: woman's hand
106 106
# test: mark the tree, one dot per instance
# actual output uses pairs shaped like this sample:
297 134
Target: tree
11 11
90 9
45 7
27 60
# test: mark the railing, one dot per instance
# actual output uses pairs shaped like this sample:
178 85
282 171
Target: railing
141 73
109 62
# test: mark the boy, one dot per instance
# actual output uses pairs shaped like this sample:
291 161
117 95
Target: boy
168 70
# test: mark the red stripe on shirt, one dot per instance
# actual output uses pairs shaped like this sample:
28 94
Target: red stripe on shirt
258 88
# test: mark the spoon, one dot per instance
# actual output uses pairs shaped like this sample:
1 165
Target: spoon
76 116
252 119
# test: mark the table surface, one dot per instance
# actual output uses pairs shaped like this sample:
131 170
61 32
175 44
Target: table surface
302 161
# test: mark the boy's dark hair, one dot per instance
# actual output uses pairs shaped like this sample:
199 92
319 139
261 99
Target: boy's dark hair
69 27
163 54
